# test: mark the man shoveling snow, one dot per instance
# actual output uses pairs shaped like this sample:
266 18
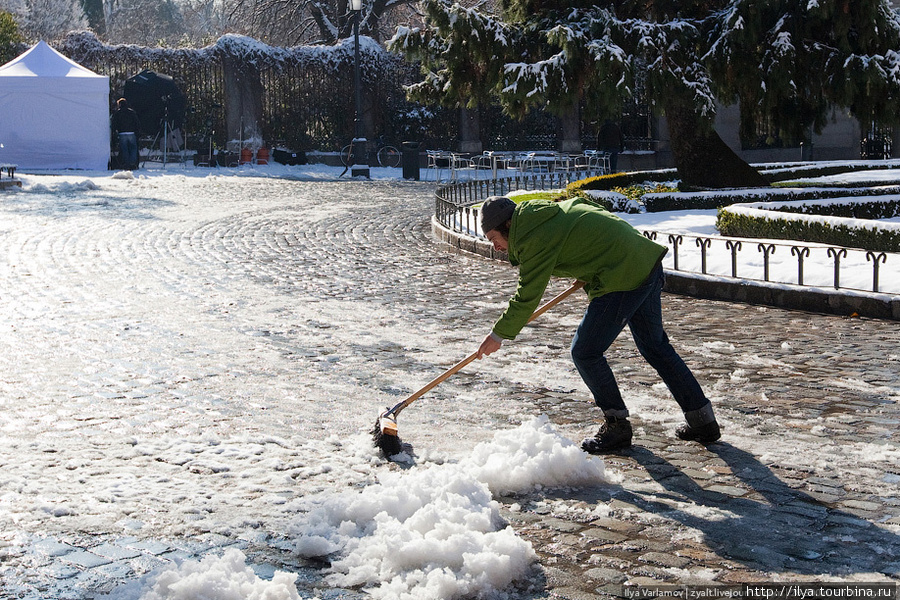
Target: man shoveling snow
623 276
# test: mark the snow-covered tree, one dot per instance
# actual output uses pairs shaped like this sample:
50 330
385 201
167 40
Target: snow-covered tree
144 22
295 22
204 21
807 57
791 61
46 19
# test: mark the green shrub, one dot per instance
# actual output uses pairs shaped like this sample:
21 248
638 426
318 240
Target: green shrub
661 202
734 224
10 38
613 180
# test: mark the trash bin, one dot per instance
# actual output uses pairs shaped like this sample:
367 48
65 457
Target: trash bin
410 160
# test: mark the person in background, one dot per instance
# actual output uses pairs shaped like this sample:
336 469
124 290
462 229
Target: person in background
623 276
611 141
126 124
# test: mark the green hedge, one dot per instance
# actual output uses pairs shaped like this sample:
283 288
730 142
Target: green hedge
713 200
733 224
780 174
608 182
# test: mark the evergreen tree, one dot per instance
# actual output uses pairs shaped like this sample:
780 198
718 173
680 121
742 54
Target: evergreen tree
791 61
10 38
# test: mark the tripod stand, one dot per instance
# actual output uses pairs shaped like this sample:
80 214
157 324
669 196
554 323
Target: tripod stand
170 137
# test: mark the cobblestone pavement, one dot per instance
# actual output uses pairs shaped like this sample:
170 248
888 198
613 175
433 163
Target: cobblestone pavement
159 341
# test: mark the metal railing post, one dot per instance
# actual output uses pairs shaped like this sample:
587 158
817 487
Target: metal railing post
837 254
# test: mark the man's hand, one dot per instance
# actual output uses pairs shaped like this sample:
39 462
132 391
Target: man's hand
488 346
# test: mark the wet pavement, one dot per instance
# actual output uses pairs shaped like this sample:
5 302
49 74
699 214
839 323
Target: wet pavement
124 318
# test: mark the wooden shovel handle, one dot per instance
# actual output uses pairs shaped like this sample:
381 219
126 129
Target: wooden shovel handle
458 366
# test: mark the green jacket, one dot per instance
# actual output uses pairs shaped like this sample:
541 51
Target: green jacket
575 239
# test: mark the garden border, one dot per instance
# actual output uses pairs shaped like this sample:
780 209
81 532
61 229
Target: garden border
788 296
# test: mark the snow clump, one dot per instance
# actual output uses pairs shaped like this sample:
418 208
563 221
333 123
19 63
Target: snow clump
435 531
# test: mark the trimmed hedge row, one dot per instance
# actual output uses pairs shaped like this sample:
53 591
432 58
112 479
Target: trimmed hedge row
759 220
754 221
613 180
662 202
776 174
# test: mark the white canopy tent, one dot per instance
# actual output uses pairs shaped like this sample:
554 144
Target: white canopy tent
54 113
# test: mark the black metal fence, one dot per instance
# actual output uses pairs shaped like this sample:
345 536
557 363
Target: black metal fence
308 98
811 265
454 202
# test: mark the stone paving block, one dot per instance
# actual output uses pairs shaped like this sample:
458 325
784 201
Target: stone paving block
557 577
603 536
53 547
568 539
728 490
861 504
115 552
61 571
146 563
264 570
664 560
644 545
819 492
700 555
806 509
115 570
572 593
698 474
562 525
644 580
83 558
847 520
178 555
617 504
804 553
759 554
150 546
605 575
744 575
617 525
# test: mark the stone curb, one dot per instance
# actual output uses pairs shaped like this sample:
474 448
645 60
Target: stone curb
794 297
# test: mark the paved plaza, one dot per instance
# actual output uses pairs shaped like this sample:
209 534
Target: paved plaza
182 357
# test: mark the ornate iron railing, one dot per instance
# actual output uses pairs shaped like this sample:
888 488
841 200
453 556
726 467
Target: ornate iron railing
789 263
755 260
453 202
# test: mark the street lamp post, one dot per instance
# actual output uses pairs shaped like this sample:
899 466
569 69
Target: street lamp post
358 154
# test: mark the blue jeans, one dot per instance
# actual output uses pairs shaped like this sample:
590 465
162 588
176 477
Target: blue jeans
641 310
128 150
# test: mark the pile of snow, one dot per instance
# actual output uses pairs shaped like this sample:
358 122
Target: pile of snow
435 531
424 532
531 457
213 578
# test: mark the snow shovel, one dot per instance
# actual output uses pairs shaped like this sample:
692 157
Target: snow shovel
385 433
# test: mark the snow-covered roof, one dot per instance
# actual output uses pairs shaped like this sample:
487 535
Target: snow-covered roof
43 61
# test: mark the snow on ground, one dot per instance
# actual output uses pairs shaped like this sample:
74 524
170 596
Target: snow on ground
855 272
436 532
417 534
341 502
178 453
226 577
